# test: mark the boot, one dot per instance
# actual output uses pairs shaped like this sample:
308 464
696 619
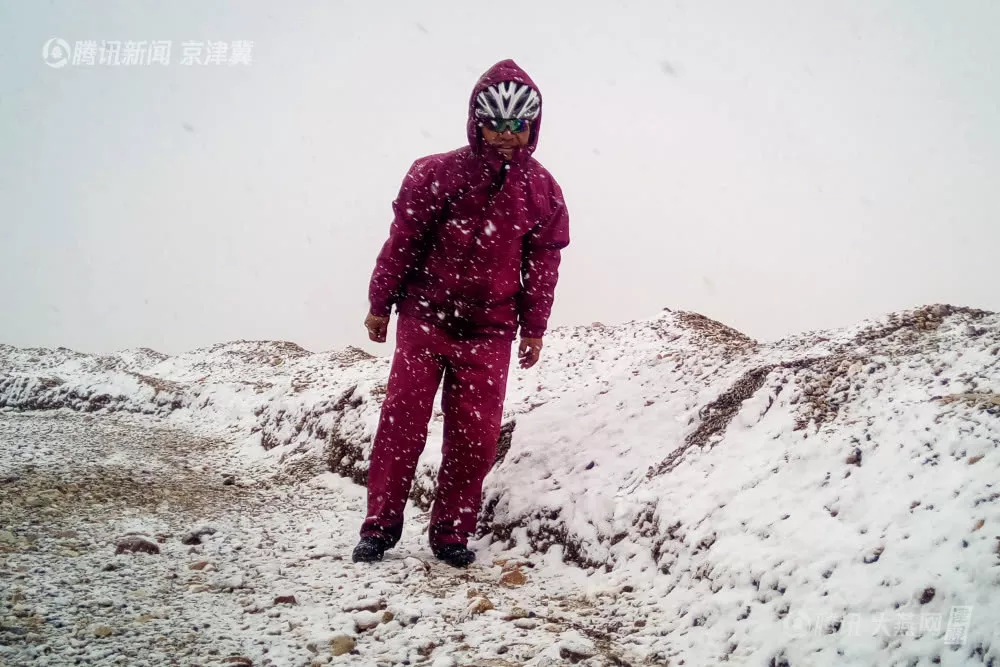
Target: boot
456 555
369 550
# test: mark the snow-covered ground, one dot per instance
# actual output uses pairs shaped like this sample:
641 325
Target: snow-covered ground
673 493
74 486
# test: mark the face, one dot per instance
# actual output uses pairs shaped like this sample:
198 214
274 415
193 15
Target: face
505 142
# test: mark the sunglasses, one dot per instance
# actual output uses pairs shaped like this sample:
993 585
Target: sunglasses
515 125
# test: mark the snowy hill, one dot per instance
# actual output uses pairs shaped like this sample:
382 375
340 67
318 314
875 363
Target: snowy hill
829 499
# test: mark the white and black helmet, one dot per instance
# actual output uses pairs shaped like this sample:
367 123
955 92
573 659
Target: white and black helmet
508 99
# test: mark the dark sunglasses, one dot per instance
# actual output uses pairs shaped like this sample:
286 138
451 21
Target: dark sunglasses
515 125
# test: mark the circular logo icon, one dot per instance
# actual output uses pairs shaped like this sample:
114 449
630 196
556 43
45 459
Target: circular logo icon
56 52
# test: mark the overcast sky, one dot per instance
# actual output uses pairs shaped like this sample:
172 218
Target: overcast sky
779 165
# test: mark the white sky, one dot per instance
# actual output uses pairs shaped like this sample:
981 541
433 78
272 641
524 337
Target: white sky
778 165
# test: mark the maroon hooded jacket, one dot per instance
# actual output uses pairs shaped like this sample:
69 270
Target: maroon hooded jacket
475 243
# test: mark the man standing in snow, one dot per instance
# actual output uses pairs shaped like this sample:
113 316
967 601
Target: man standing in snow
472 256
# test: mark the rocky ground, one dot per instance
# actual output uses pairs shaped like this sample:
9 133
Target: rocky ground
127 543
669 492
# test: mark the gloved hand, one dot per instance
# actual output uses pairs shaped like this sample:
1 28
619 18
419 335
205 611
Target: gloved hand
377 327
529 351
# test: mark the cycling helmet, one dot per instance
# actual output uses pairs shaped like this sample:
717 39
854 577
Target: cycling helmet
508 99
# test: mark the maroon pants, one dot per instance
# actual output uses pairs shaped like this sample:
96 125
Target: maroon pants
475 381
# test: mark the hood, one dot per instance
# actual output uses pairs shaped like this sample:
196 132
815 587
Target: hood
505 70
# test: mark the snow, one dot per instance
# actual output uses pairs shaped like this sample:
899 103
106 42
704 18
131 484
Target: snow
673 491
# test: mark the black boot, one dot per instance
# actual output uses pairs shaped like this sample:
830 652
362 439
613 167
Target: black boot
369 550
456 555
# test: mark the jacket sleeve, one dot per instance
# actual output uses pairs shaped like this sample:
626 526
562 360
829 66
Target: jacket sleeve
415 208
540 269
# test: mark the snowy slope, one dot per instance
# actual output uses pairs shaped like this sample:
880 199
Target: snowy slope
829 499
814 486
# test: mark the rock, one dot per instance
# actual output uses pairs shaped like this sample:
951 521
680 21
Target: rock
199 588
342 644
102 631
927 595
874 556
979 524
367 604
408 616
387 629
194 537
136 544
478 606
238 660
7 537
200 565
526 623
513 578
285 599
366 620
575 647
230 583
515 614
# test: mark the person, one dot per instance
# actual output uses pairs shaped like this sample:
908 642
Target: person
472 258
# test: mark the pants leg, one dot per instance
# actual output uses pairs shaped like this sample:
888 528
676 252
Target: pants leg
474 389
402 431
